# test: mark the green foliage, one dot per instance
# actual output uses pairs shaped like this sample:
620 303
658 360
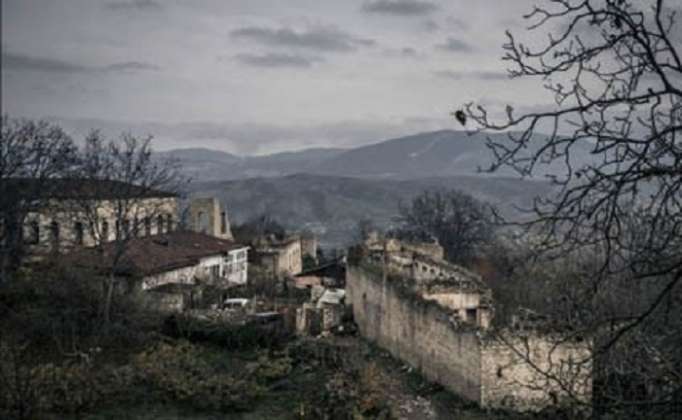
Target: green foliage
267 368
181 373
70 387
228 336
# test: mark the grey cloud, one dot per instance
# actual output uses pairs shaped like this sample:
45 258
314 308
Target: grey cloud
132 66
404 52
479 75
400 7
408 52
11 61
143 5
316 38
430 25
277 60
455 45
24 62
456 22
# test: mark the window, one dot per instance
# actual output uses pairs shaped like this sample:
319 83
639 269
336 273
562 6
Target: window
223 222
147 226
105 231
202 222
79 233
126 228
54 234
34 233
159 224
169 223
471 315
215 271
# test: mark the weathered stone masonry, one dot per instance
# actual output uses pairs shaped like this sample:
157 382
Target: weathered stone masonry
463 357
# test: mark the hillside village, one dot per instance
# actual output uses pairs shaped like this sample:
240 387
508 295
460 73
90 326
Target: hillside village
403 297
334 210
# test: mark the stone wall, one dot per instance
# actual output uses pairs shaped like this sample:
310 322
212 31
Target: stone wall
147 216
508 380
488 367
416 331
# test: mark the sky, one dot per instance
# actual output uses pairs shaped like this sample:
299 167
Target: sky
258 76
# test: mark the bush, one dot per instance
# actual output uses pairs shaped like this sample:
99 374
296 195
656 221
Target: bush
228 336
72 387
181 373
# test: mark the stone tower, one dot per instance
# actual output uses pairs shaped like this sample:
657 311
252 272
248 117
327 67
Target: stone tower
206 215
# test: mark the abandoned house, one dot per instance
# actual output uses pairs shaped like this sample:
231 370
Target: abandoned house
206 215
168 261
323 312
281 258
132 231
437 317
73 213
330 274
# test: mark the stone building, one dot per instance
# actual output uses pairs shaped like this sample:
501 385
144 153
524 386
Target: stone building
180 257
437 317
78 213
206 215
280 257
176 260
330 274
132 231
309 245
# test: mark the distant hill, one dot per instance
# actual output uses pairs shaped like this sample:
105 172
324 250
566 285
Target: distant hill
439 153
435 154
206 164
332 206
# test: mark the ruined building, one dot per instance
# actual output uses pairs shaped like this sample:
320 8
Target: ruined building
281 258
206 215
437 317
73 213
130 231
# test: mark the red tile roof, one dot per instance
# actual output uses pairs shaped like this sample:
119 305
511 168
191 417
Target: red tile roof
154 254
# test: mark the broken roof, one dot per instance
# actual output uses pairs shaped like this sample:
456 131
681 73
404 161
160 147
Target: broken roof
154 254
332 269
332 296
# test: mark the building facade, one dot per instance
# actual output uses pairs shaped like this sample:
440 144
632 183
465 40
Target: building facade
280 257
206 215
437 318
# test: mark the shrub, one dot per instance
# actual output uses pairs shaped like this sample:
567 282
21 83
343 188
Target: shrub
181 372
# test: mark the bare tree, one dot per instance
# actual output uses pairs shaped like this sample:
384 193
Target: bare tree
32 155
125 193
615 73
460 223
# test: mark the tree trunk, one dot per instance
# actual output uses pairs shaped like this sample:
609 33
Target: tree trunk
106 312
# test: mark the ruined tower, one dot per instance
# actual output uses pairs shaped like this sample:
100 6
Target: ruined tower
206 215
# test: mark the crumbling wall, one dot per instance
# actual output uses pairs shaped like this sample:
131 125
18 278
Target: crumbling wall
511 369
207 216
527 371
417 331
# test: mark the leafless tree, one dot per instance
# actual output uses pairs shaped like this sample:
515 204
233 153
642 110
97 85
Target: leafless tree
32 155
614 70
460 223
124 192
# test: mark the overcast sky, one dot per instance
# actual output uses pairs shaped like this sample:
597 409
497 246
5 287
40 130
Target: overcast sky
257 76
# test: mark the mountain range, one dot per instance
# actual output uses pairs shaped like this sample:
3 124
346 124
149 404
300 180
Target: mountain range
425 155
332 206
329 190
